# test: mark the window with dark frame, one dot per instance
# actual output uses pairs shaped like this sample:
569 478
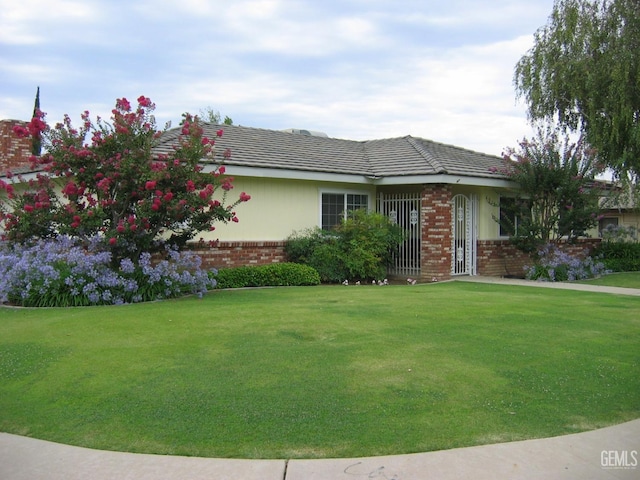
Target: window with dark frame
604 222
335 207
510 216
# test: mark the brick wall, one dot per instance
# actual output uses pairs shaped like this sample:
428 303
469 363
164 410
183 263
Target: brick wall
436 233
237 254
14 152
499 258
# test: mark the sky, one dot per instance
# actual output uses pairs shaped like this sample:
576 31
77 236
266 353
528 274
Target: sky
354 69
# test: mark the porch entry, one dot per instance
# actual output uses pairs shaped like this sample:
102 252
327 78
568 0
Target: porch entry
403 209
464 234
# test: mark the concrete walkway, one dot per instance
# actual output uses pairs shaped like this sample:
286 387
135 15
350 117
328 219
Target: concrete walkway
610 453
557 285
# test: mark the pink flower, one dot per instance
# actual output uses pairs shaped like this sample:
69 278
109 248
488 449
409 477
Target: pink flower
144 101
123 104
28 208
20 131
220 132
70 189
112 241
244 197
150 185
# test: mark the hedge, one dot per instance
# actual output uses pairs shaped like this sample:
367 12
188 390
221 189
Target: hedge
272 275
619 256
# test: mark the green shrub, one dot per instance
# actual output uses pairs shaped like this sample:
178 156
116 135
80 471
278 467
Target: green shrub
619 256
360 248
276 274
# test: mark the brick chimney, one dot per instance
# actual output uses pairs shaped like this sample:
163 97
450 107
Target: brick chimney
15 152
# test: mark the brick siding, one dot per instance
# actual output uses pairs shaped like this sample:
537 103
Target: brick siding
498 258
237 254
436 233
15 152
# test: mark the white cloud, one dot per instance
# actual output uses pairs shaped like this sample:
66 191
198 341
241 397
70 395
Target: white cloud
355 69
29 22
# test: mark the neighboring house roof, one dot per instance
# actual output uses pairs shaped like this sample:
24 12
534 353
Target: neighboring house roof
402 157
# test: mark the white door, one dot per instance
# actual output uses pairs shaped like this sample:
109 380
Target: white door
463 255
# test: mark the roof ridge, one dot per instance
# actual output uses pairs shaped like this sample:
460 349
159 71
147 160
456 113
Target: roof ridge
428 157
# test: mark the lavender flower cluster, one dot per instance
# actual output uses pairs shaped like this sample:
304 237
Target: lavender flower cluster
554 265
620 233
59 272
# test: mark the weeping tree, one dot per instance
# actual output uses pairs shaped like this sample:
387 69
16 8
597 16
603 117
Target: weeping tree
583 74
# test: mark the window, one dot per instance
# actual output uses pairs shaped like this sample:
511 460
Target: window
511 213
607 223
335 207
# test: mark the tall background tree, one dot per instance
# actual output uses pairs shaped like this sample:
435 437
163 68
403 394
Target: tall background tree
36 141
210 115
583 74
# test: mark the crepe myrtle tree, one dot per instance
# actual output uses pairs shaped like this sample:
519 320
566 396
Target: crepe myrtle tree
103 179
557 193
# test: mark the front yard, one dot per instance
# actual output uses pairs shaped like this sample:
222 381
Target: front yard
322 371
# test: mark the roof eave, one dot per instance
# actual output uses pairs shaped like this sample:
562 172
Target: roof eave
366 179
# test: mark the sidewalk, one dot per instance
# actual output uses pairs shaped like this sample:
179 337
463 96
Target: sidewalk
611 453
558 285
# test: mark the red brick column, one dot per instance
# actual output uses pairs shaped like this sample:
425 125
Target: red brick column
435 252
15 152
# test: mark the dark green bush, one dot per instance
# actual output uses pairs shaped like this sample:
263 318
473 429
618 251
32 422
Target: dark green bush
358 249
619 256
273 275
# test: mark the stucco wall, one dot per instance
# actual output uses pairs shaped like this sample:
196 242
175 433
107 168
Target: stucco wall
277 208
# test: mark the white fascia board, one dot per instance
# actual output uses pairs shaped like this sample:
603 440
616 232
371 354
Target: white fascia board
445 179
18 178
240 171
362 179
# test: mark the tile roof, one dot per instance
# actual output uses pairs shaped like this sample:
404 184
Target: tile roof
392 157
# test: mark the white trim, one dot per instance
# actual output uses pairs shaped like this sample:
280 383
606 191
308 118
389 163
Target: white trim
276 173
356 179
259 172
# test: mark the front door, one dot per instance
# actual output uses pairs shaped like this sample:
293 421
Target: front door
463 255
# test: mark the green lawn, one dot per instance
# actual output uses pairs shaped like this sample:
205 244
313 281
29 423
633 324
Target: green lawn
623 279
322 371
